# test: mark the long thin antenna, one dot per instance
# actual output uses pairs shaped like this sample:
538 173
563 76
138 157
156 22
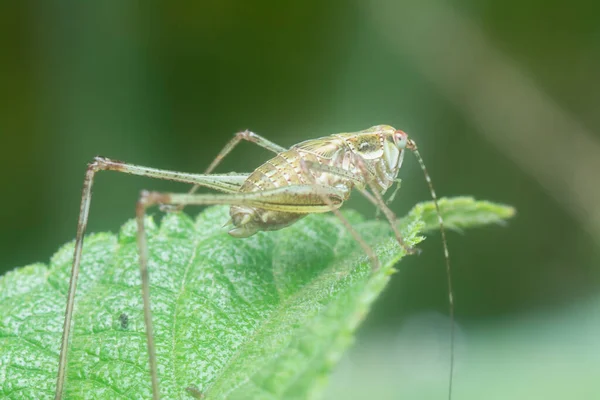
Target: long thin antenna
413 146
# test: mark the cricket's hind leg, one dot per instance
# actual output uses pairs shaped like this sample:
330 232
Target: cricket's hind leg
246 135
237 138
224 183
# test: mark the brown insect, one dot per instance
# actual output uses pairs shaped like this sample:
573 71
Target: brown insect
314 176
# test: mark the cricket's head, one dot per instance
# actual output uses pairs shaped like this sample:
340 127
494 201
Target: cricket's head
381 147
380 142
383 142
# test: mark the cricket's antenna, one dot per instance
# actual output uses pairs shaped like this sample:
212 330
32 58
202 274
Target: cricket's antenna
413 146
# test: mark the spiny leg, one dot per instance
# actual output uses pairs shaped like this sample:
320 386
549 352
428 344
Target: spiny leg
411 145
375 198
390 199
380 203
300 199
306 167
395 192
237 138
223 183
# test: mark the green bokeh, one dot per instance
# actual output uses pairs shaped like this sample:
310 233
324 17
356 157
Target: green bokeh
165 85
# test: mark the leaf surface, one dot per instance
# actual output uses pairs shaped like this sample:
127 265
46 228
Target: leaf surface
265 317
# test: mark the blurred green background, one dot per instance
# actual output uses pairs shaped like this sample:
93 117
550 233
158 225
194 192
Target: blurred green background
502 97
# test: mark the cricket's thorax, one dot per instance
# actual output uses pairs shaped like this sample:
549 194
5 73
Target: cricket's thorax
372 155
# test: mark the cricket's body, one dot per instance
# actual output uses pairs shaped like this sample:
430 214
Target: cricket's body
380 149
314 176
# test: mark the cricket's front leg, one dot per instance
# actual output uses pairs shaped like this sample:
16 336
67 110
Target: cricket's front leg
374 197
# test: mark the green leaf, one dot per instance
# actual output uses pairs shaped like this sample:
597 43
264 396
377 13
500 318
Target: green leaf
460 213
266 317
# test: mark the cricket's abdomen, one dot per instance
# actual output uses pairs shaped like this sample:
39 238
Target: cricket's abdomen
285 169
282 170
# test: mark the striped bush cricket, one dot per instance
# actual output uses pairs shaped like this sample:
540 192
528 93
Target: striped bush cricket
314 176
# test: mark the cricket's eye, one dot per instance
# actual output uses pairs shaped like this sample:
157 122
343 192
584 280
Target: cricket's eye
401 139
